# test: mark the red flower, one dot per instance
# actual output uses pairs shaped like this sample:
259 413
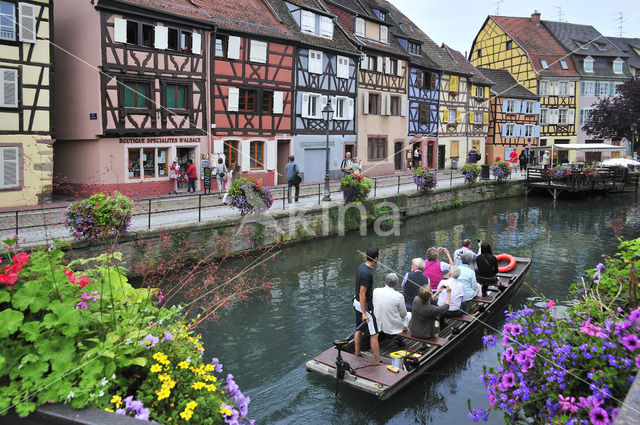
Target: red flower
9 279
22 258
84 281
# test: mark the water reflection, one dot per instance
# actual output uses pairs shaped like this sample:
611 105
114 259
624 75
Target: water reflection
265 344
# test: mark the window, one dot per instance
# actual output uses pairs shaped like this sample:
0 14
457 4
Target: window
562 116
509 45
478 118
393 67
614 88
315 61
340 108
601 47
312 106
8 88
617 66
479 53
256 155
587 88
384 34
480 91
176 96
172 39
326 27
394 106
154 162
359 27
529 130
543 88
132 32
581 44
601 88
562 88
222 44
136 95
588 64
372 62
564 65
163 162
544 116
247 100
425 80
453 116
529 107
134 163
7 21
230 149
148 35
510 130
308 22
267 102
423 113
374 101
342 70
148 163
583 115
9 167
186 41
414 48
258 51
382 15
377 148
543 63
511 106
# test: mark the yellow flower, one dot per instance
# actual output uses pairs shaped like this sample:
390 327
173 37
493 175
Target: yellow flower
183 365
192 405
108 410
163 393
198 385
211 388
225 411
186 415
210 368
197 371
182 335
169 383
164 376
210 378
159 356
156 368
117 400
200 347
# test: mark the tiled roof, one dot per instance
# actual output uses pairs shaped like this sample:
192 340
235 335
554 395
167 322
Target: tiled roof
506 85
602 68
339 41
626 46
539 44
251 16
573 36
173 7
476 75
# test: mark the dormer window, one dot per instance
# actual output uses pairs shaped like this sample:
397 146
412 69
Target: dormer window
617 66
564 65
588 64
581 45
384 34
308 22
414 48
326 27
308 25
543 63
383 15
601 46
359 27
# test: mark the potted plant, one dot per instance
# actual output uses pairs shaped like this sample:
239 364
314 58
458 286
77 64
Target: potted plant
103 215
248 195
559 173
590 173
355 187
500 170
425 179
470 172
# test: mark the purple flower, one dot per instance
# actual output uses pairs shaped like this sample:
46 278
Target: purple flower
567 403
167 337
507 380
121 412
599 416
600 267
477 414
149 341
143 414
489 340
638 362
217 365
631 342
82 305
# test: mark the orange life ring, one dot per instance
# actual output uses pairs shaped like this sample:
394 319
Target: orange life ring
510 258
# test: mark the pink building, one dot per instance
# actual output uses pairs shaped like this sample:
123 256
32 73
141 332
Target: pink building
131 94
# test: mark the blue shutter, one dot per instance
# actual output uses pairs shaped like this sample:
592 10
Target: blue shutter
536 131
504 130
518 107
518 132
536 109
504 107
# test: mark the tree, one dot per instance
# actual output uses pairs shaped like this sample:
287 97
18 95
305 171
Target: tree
611 117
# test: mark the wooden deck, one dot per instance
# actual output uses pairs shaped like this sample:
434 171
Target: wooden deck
609 179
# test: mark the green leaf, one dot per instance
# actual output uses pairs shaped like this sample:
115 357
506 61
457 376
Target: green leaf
11 321
3 361
31 330
5 297
32 295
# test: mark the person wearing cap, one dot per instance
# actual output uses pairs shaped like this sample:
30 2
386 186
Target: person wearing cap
473 156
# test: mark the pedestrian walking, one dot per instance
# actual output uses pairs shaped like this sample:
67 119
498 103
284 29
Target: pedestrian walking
235 173
347 164
221 176
292 173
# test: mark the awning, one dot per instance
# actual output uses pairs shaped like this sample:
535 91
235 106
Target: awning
590 147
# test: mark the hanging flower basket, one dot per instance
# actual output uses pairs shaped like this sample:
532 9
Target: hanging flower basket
425 179
500 170
470 172
103 215
249 196
355 187
559 173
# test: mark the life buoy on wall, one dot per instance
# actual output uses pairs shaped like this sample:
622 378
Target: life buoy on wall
510 258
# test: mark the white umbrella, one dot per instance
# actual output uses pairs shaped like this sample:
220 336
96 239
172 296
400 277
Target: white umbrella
620 162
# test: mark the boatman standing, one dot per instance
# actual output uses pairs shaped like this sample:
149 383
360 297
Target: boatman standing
363 304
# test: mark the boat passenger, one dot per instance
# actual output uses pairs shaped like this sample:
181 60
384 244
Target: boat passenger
468 278
457 293
389 308
487 273
435 269
466 246
424 313
413 280
363 304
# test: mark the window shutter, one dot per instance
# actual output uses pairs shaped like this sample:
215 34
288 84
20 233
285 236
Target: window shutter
379 64
445 116
323 102
474 91
334 106
486 92
315 61
536 108
458 115
278 98
519 130
472 115
305 105
326 27
258 51
485 118
365 102
244 155
571 116
9 166
360 26
519 107
571 88
27 22
383 104
233 48
120 30
504 106
403 108
350 108
197 44
161 38
308 21
342 67
400 68
232 100
504 130
364 62
9 88
453 83
387 65
536 131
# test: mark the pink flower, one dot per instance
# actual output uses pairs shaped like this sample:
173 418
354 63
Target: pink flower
567 403
551 304
82 305
9 279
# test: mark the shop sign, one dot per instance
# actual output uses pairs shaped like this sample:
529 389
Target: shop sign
206 176
159 140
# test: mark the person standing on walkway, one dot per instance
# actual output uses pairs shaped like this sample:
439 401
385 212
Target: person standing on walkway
192 175
292 173
347 164
545 160
357 166
221 176
175 175
523 162
363 304
473 156
235 173
513 162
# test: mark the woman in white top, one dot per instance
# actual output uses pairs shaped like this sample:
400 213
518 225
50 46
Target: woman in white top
221 173
357 166
235 173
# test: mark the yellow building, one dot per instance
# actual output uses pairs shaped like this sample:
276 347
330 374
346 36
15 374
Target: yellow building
537 61
26 154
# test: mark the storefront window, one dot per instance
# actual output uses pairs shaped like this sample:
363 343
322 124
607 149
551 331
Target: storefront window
154 162
134 163
163 163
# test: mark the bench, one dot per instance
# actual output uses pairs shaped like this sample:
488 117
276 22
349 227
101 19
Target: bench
437 341
485 300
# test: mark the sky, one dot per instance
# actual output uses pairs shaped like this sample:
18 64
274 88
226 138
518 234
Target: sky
456 22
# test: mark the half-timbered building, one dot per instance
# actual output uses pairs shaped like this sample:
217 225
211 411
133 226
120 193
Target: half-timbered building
382 84
26 129
525 48
251 78
326 65
130 94
513 117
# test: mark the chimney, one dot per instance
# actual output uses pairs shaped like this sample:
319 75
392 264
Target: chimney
535 17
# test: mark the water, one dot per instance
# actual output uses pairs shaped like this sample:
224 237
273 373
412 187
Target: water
266 344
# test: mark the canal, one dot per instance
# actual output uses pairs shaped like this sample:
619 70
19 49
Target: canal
266 344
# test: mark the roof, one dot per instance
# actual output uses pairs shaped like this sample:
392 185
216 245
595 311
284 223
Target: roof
182 8
252 16
627 45
506 85
339 41
476 75
539 44
582 39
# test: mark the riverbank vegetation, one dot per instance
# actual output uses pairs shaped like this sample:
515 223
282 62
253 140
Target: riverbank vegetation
575 365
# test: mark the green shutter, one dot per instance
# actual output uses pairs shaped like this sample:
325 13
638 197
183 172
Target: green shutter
143 94
182 97
171 96
129 96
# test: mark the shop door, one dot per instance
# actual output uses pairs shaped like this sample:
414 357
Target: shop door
185 154
283 159
397 156
314 164
590 157
441 153
430 152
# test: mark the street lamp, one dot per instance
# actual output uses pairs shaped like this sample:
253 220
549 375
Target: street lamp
634 130
327 115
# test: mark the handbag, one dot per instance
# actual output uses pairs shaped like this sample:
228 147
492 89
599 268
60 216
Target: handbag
296 180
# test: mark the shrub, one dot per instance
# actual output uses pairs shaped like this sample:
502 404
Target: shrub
500 170
470 172
424 178
589 172
249 196
355 187
103 215
559 173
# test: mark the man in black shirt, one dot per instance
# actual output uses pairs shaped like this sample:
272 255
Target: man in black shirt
413 281
363 304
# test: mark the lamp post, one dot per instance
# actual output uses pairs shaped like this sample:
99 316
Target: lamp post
634 130
327 114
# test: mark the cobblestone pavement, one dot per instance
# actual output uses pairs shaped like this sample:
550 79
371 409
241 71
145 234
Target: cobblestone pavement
36 226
